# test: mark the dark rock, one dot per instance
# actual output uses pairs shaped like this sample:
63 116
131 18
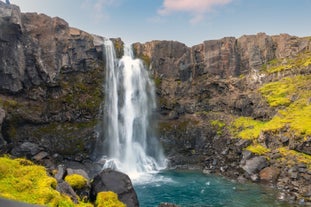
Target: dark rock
59 176
120 183
269 174
46 68
254 165
2 116
79 172
40 156
27 149
64 188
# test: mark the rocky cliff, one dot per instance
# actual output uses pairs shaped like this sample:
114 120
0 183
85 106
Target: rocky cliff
51 79
237 107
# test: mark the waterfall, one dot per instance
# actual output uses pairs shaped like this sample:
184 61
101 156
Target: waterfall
129 106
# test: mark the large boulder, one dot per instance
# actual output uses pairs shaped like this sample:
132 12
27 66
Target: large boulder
120 183
254 165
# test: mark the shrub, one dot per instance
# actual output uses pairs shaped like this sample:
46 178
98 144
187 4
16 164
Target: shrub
76 181
21 180
258 149
108 199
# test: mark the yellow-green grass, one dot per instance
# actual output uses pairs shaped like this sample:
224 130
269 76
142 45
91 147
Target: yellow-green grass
302 60
21 180
247 128
108 199
76 181
292 156
258 149
292 96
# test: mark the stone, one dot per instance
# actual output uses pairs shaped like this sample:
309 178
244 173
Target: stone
59 176
2 116
26 149
269 174
64 188
81 172
40 156
254 165
120 183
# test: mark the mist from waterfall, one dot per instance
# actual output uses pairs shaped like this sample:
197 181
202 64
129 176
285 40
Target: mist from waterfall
132 146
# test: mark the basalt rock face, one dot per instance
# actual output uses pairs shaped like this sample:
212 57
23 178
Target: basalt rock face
50 83
204 90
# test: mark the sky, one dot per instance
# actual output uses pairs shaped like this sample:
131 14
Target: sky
187 21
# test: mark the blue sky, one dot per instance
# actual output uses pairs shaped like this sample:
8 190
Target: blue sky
187 21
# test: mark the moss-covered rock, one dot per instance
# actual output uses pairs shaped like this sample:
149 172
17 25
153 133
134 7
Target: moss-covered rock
108 199
21 180
76 181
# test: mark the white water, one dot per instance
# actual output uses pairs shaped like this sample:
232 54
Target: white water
129 104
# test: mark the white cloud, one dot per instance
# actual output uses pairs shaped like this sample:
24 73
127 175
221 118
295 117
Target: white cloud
197 8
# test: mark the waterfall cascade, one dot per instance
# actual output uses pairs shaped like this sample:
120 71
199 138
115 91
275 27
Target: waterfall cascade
129 105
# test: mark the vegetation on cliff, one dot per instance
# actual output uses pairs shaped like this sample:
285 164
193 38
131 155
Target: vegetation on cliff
290 96
22 180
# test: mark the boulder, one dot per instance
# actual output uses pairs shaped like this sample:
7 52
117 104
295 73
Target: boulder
27 149
59 176
64 188
120 183
269 174
81 172
254 165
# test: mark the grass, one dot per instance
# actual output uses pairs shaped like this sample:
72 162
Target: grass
22 180
247 128
277 65
108 199
278 93
258 149
294 113
292 156
218 125
76 181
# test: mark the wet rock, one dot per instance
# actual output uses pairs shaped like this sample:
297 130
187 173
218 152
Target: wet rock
269 174
254 165
27 149
120 183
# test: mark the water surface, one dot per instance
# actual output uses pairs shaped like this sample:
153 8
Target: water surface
194 189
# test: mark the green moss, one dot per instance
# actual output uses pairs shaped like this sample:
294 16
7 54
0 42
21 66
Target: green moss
157 82
76 181
300 61
258 149
21 180
292 157
279 93
218 125
246 128
108 199
146 59
81 91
